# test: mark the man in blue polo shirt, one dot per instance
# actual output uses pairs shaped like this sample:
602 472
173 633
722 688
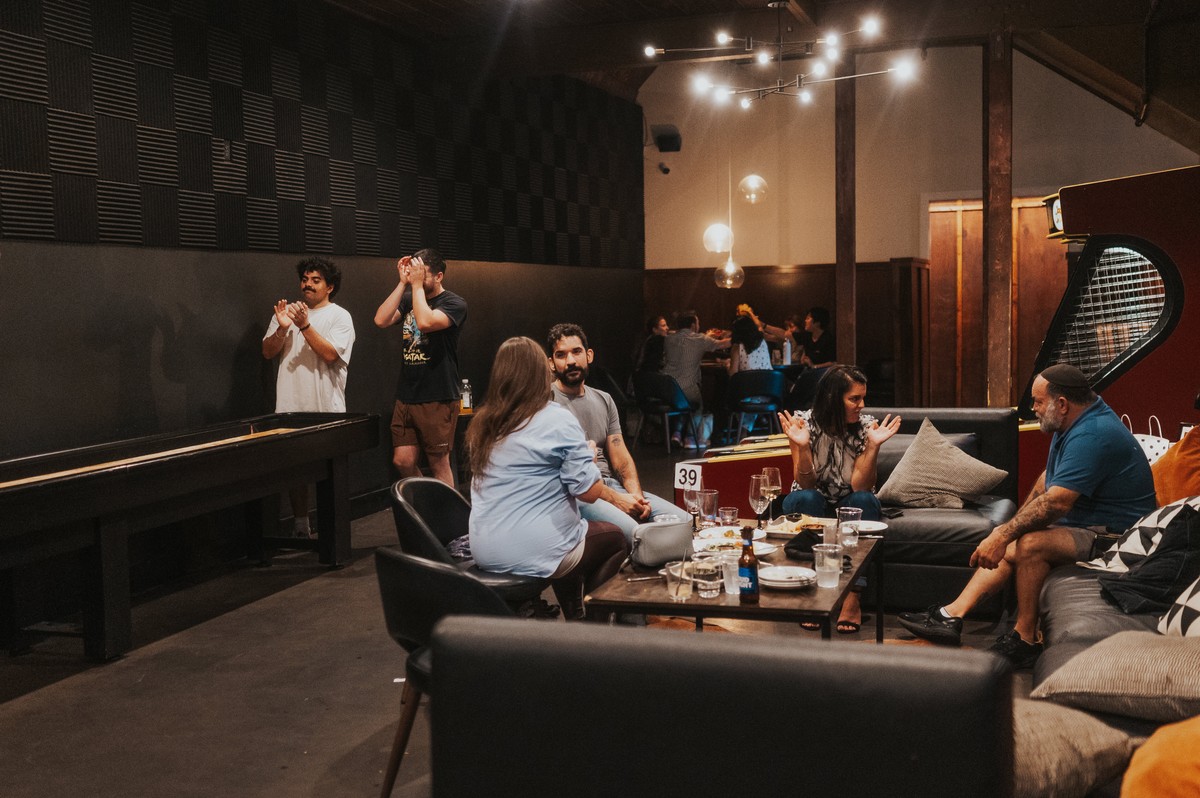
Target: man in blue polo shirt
1096 479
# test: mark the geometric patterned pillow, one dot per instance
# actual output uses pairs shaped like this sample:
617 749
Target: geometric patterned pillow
1181 619
1140 540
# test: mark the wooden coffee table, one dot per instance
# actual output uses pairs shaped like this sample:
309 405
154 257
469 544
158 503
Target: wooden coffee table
818 605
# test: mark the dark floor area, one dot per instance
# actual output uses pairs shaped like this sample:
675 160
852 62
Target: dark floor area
255 682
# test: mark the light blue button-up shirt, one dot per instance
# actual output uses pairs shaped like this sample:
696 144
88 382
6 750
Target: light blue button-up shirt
524 514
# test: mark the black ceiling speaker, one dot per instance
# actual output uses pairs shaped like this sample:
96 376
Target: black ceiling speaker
666 138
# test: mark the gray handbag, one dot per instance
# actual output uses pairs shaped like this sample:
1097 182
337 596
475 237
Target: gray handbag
657 542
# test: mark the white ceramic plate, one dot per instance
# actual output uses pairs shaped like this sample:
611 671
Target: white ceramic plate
722 544
871 526
728 532
786 574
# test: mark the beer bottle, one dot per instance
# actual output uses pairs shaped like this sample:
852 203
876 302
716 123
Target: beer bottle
748 569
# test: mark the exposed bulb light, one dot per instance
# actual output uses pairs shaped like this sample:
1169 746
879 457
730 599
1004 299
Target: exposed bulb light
744 102
832 54
905 69
805 96
701 84
718 238
722 94
820 68
831 40
870 26
729 275
723 38
763 57
752 188
649 51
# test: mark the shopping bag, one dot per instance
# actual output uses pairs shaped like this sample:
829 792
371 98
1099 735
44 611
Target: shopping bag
1153 444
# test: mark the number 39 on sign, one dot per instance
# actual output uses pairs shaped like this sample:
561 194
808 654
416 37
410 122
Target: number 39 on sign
687 475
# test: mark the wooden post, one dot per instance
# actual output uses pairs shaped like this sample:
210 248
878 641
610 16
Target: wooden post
997 216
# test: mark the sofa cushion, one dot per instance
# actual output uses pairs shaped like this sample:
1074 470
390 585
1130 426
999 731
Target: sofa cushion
1136 674
1166 766
893 450
1151 584
1063 752
1177 473
943 536
1183 619
1074 615
935 473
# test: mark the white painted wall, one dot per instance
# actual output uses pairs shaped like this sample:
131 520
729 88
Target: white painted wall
916 143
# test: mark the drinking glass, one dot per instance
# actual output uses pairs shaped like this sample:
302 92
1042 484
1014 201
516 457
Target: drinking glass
708 507
758 497
728 515
679 580
691 501
827 558
848 519
771 488
706 572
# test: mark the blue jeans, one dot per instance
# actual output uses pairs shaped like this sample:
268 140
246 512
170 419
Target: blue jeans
810 502
601 510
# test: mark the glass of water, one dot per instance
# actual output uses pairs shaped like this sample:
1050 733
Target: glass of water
828 559
706 573
848 520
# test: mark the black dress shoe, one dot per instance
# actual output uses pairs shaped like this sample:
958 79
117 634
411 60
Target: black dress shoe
1013 648
932 626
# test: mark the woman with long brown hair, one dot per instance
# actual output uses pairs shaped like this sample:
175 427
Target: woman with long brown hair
835 453
531 466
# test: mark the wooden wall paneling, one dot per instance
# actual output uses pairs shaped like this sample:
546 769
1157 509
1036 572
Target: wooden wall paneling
944 253
973 374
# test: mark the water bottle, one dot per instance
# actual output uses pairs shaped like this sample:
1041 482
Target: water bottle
464 396
787 351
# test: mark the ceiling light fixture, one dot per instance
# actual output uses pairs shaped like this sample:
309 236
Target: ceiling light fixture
826 50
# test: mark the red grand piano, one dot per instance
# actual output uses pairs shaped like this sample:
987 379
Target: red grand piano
91 499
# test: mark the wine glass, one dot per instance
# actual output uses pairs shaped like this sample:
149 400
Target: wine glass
758 497
691 501
771 488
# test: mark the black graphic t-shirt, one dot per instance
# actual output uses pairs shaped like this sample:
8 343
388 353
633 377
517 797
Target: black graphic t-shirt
429 372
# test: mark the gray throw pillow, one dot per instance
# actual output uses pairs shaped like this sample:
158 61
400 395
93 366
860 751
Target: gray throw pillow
1134 674
1062 752
935 473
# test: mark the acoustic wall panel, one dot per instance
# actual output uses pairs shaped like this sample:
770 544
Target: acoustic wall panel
292 125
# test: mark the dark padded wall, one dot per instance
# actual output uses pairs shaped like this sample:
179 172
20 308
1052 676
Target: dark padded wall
162 164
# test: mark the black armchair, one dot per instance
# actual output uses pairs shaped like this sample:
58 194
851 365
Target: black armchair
417 593
429 514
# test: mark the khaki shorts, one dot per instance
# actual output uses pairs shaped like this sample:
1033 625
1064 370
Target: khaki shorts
429 425
1085 539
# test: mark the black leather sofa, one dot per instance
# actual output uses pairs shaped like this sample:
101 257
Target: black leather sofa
603 711
927 550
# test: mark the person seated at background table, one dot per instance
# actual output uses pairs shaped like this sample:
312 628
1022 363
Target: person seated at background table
835 453
748 347
682 352
570 357
817 351
532 466
651 349
817 344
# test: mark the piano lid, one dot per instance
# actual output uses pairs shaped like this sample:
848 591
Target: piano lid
1122 318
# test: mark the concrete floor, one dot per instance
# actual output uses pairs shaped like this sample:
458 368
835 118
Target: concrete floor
256 682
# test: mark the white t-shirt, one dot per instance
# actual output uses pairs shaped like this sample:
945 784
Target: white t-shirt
307 383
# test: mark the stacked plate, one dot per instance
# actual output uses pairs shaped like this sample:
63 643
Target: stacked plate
786 577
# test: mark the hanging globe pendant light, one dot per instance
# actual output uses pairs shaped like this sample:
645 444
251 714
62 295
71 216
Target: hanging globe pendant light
730 275
718 238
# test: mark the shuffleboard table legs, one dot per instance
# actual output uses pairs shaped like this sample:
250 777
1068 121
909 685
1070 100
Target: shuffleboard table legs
107 619
333 514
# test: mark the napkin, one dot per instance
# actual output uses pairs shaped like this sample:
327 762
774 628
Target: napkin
800 548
